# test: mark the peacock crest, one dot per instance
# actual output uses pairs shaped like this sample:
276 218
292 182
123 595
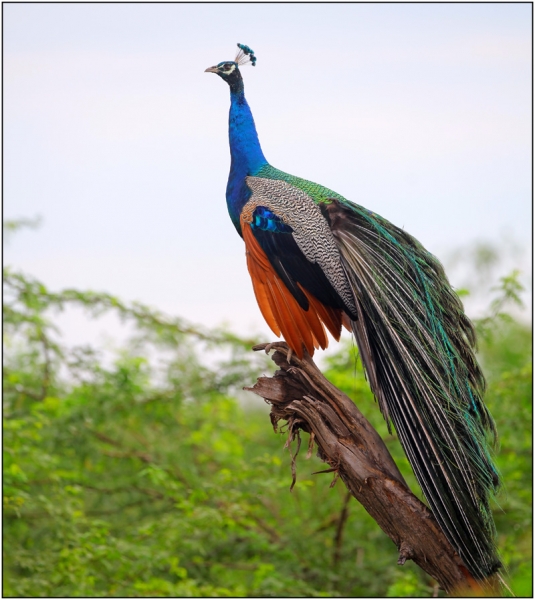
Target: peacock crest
245 54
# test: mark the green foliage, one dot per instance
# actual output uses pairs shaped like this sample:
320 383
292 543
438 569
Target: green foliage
407 585
506 293
147 475
508 360
12 226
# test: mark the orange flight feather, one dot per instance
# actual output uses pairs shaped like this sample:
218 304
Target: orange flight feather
261 294
332 317
314 320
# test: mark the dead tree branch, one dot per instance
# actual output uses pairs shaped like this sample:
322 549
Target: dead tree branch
300 395
344 513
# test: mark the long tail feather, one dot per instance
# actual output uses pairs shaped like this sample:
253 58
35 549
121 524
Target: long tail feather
417 348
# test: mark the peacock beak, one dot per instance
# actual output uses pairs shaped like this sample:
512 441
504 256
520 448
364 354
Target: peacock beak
211 70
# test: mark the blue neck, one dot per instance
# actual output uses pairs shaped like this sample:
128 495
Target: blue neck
245 152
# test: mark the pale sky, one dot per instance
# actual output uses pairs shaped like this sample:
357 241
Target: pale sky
116 137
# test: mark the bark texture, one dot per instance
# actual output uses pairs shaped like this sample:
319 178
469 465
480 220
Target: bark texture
300 395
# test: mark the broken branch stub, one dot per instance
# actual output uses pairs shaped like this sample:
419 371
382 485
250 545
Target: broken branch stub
300 395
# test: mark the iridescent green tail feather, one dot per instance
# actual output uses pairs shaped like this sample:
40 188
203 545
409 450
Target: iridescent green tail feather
417 348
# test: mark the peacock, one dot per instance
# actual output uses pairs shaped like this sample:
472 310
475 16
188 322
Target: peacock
319 262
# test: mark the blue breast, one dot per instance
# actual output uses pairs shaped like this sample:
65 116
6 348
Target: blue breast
246 154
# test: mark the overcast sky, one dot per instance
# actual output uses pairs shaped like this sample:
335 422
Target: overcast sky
116 137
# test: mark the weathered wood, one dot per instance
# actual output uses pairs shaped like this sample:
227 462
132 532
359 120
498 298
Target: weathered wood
300 394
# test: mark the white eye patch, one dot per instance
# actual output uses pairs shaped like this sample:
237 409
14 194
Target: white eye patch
229 71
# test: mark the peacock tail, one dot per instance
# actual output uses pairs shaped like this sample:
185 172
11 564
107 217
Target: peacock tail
417 347
319 262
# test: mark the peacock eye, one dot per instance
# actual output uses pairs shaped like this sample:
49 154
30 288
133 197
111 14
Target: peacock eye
227 66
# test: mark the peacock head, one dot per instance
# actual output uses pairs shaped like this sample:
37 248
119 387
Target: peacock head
229 70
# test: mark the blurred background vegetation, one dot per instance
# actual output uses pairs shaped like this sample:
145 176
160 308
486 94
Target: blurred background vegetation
151 473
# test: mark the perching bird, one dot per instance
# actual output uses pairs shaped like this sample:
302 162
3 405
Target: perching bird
318 261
